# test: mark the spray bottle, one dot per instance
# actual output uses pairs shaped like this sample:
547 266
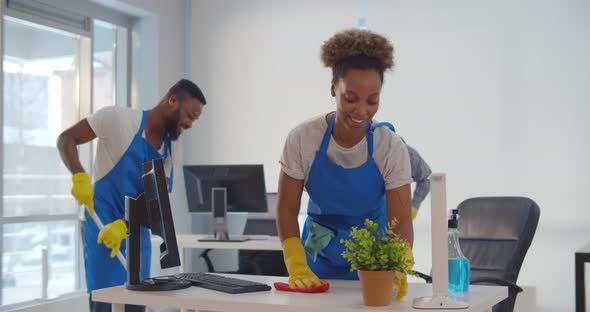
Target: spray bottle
458 263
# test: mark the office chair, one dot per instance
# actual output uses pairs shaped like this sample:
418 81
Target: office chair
495 234
256 262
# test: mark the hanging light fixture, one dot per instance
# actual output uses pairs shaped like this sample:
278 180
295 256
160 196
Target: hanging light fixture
362 15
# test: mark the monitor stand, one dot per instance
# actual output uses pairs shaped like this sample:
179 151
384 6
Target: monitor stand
137 216
219 209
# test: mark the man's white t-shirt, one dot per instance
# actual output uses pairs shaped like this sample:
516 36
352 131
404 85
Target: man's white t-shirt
115 127
389 151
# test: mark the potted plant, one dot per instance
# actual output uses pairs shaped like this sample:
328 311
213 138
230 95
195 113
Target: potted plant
376 255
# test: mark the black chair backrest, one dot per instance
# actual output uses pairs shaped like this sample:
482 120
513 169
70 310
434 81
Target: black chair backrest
261 262
261 227
495 234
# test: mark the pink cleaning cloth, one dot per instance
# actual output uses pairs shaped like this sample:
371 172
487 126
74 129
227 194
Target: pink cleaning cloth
323 287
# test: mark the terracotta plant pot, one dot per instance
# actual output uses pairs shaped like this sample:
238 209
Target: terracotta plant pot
377 287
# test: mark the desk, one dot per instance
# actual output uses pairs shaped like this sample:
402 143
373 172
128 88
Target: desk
258 242
582 256
343 296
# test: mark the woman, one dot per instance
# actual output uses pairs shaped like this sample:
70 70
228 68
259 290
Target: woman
352 167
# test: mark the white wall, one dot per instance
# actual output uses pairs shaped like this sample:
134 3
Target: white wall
171 41
258 64
492 93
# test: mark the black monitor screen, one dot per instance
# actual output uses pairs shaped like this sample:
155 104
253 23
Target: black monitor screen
246 191
159 213
151 210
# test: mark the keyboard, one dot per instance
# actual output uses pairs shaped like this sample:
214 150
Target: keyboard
231 238
234 238
221 283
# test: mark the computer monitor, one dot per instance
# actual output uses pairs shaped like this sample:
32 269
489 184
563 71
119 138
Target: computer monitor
220 189
151 210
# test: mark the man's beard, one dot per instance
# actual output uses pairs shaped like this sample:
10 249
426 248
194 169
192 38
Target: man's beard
172 128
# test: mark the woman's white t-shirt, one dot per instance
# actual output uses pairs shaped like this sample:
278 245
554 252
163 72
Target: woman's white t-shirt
389 152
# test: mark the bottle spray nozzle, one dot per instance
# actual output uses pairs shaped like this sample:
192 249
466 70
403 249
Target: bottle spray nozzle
453 218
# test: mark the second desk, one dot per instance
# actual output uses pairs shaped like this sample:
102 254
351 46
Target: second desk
257 242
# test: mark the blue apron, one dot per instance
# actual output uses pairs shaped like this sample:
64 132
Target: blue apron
340 198
125 179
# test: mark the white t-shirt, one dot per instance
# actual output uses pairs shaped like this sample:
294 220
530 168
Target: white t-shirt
115 127
389 152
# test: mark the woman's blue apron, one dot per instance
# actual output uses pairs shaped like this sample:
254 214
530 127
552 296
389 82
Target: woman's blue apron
125 179
340 198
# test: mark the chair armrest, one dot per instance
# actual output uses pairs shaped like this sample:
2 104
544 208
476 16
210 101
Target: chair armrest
497 281
423 276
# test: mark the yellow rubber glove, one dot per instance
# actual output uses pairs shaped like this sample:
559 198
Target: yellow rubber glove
400 280
112 235
83 191
300 275
414 213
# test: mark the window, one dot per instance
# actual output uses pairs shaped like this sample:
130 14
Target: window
47 85
39 102
109 65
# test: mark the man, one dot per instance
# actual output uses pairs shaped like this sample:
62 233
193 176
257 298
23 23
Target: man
127 138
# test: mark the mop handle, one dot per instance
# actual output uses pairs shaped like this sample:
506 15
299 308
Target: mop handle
101 227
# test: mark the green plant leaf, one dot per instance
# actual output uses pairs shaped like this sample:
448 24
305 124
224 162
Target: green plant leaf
374 250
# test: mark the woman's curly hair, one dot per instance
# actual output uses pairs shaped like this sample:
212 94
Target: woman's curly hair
360 49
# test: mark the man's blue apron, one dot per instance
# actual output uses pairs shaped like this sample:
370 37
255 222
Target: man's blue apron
340 198
109 201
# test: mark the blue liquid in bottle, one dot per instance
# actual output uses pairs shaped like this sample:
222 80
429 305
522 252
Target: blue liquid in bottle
458 275
458 263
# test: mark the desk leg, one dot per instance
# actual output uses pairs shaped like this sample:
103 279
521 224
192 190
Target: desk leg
580 287
182 262
118 307
182 267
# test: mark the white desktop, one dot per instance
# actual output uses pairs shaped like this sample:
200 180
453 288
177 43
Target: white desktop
342 296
